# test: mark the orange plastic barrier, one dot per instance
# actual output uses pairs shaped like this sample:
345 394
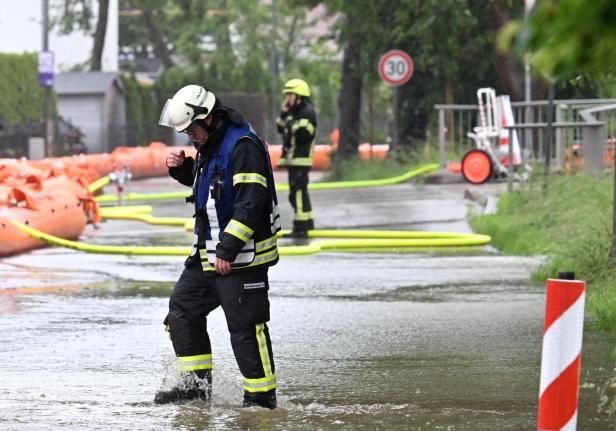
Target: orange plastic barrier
275 152
57 212
52 195
369 151
10 168
102 163
454 167
574 157
320 157
608 154
142 162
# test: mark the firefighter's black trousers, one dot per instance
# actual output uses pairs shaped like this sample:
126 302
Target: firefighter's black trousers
244 300
299 199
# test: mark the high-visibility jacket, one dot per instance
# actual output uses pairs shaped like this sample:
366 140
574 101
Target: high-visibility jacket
236 207
298 128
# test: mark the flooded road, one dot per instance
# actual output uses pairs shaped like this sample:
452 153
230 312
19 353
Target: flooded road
362 341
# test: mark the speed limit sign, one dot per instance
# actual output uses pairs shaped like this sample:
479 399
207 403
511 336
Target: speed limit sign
395 67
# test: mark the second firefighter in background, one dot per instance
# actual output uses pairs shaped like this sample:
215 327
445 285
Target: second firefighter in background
297 124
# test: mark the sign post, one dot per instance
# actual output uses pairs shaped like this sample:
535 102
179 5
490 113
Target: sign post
395 69
45 73
46 67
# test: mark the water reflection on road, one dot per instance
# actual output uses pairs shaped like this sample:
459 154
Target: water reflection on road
425 341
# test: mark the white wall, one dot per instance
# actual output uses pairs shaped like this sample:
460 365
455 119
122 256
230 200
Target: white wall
86 112
20 31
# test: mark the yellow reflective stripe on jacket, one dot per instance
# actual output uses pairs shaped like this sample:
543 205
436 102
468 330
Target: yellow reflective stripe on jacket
305 123
300 161
196 362
259 259
265 244
282 121
251 177
263 384
265 257
239 230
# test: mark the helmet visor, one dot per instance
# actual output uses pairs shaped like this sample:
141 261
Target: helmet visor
165 116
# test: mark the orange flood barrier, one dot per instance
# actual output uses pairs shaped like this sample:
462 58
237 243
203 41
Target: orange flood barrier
321 156
52 196
369 151
56 211
142 162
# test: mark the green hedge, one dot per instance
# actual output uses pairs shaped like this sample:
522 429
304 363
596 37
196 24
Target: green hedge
21 99
570 224
143 106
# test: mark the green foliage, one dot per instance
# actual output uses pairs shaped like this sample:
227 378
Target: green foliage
568 36
73 15
396 163
571 226
227 45
142 112
450 42
451 45
22 96
322 72
358 169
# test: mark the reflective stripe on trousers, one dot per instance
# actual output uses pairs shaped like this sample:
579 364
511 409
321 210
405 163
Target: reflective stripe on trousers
268 382
196 362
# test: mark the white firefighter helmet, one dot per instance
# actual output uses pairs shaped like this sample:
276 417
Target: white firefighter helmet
190 103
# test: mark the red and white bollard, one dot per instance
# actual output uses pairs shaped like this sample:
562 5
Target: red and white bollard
561 354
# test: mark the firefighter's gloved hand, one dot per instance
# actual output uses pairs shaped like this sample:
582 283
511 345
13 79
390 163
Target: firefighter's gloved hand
222 266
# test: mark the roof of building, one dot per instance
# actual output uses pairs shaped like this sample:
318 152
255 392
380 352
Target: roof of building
86 82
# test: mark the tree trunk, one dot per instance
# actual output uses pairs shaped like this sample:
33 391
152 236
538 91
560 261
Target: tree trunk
349 102
290 40
510 71
158 42
99 35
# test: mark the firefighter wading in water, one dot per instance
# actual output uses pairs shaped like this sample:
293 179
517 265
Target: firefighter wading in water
236 221
297 124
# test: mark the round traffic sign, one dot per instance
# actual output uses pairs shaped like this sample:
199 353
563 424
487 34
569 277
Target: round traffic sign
395 67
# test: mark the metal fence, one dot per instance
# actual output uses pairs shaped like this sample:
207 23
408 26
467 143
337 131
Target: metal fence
14 139
455 121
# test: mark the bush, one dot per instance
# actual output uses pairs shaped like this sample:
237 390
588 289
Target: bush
22 96
571 224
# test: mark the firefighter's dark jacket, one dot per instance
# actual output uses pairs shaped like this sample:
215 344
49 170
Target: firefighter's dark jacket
297 127
250 205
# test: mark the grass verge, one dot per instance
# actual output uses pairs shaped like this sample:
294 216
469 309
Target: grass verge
571 224
396 163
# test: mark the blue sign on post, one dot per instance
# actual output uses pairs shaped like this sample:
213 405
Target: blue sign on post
45 68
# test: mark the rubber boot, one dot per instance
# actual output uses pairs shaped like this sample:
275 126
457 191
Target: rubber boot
260 399
194 385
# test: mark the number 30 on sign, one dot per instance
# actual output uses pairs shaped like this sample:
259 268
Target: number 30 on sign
395 67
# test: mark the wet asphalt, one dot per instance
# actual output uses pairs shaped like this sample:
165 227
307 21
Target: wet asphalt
428 340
